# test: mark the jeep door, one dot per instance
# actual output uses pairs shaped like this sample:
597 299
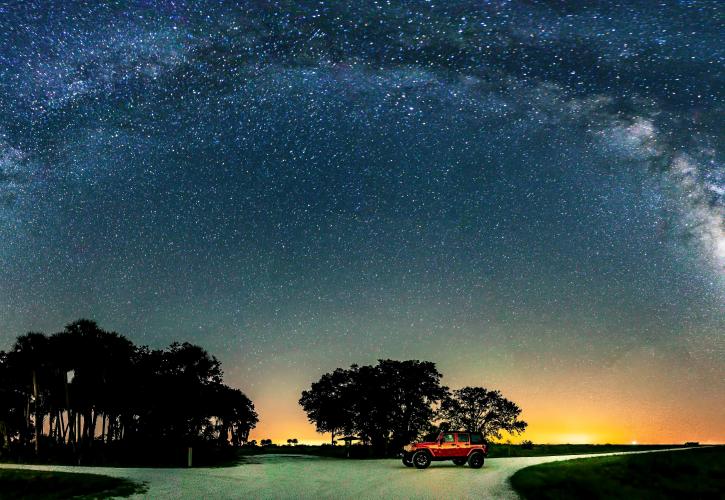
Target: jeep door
448 445
463 442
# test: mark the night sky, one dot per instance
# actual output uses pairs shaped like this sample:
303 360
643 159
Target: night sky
530 194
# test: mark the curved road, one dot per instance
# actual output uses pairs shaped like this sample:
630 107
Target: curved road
299 476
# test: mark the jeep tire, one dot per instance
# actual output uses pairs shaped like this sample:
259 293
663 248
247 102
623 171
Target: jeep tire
408 459
421 459
459 461
475 461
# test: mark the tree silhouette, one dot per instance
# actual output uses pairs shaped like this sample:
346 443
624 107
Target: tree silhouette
329 402
387 405
235 416
85 385
478 409
29 369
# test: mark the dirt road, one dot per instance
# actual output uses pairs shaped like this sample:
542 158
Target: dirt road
296 476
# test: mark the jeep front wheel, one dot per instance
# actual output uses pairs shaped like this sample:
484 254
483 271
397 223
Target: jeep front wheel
408 459
459 461
421 459
475 461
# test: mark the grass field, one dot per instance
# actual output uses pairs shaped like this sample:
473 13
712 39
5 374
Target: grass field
31 484
697 473
543 450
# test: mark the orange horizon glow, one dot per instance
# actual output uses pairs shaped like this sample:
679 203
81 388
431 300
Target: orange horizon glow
639 398
302 434
586 428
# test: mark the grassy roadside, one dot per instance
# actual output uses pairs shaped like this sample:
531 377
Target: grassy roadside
32 484
496 450
228 457
697 473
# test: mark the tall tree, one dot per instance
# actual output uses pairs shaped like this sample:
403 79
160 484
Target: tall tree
235 415
88 385
329 402
483 410
30 360
99 361
12 404
387 404
414 388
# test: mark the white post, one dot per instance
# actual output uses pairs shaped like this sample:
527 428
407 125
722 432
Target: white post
188 462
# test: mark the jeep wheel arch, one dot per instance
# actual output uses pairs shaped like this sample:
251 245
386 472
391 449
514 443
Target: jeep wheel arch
421 459
475 460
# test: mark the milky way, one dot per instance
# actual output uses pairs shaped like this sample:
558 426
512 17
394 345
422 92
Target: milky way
530 194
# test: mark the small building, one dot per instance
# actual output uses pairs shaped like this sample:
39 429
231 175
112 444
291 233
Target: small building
348 443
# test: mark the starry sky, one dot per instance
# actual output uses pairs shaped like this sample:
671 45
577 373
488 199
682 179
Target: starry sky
530 194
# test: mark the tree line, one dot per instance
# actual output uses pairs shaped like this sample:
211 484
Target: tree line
395 402
85 387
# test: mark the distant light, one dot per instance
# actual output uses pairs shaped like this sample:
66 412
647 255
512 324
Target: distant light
634 442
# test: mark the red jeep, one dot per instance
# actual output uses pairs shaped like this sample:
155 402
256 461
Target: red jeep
459 446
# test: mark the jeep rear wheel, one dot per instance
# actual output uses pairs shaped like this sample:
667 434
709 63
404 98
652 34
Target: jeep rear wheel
421 459
475 461
408 459
459 461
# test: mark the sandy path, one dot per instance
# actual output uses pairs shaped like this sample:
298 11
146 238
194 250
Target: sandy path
296 476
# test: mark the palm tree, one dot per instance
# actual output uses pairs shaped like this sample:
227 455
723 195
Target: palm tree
30 360
84 377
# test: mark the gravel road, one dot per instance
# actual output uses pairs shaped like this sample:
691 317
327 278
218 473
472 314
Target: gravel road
298 476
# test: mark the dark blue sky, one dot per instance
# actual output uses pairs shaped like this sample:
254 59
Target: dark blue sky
510 189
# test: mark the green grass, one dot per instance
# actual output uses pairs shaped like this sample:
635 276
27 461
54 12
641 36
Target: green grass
302 449
31 484
697 473
496 450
